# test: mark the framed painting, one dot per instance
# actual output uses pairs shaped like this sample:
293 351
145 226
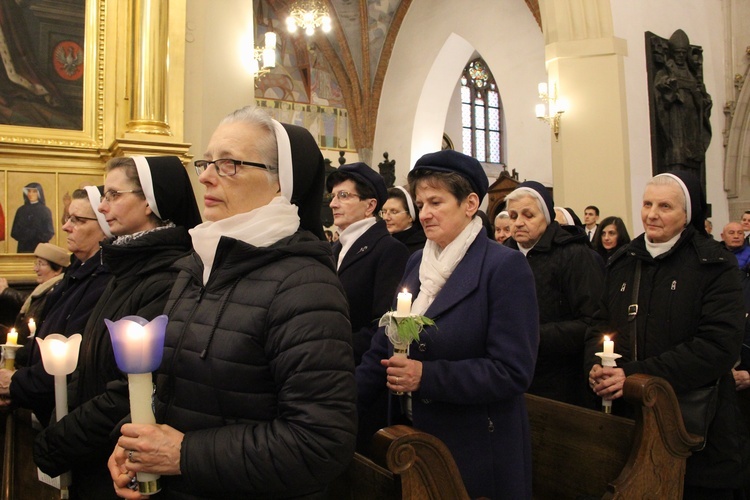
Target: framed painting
52 59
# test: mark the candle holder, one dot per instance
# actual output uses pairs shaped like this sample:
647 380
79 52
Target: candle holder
59 358
610 360
402 330
139 345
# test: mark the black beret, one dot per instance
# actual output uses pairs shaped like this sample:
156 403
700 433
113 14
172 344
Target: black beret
363 173
449 160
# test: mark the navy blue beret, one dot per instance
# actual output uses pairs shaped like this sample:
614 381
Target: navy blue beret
449 160
364 174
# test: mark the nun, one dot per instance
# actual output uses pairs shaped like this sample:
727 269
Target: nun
32 223
148 205
257 375
688 324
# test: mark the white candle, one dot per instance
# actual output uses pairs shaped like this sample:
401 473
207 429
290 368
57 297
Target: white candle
12 337
403 304
32 327
609 345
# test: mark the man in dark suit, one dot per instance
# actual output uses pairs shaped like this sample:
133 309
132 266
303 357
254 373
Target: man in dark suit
370 262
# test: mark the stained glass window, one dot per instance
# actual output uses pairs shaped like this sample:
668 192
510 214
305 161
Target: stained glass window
481 113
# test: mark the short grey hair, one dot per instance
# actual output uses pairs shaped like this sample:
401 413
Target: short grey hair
265 143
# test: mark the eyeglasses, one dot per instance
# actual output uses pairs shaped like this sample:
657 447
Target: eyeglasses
77 220
383 213
344 195
41 263
225 167
112 195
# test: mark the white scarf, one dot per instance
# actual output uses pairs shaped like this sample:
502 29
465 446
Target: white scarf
656 249
261 227
437 266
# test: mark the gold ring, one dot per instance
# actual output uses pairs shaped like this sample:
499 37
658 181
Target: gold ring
130 455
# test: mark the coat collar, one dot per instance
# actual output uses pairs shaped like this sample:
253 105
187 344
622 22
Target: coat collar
364 244
464 280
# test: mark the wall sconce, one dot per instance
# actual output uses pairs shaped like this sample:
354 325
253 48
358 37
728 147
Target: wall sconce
264 59
553 110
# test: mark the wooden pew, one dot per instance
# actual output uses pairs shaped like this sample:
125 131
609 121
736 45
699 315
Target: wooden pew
576 453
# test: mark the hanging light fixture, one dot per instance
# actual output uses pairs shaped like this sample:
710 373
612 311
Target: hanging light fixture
264 59
308 15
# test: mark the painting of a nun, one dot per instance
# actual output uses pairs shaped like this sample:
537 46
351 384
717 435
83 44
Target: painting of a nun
33 221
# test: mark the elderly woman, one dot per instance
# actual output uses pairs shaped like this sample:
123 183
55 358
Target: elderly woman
255 397
148 205
502 227
49 266
568 285
465 379
402 219
611 234
689 323
70 305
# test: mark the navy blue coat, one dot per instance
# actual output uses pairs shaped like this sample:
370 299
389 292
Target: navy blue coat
370 272
477 363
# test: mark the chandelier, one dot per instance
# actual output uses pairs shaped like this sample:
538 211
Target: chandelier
308 15
264 59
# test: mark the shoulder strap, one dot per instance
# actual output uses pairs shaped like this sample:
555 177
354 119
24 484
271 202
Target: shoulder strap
633 310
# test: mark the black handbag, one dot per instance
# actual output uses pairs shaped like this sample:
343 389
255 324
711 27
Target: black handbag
698 407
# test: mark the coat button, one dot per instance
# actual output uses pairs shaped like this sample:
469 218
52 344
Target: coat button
422 347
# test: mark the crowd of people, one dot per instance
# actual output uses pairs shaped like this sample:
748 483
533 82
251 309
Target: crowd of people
275 369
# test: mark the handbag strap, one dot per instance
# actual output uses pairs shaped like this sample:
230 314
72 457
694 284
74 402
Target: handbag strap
633 310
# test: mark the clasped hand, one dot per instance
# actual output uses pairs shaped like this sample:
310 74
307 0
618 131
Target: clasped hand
151 448
402 374
607 382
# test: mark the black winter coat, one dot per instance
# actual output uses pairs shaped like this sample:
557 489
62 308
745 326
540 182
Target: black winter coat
144 273
690 324
66 312
370 273
258 373
414 237
569 283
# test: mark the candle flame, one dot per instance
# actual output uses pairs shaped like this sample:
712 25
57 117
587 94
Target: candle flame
58 348
136 332
405 290
606 338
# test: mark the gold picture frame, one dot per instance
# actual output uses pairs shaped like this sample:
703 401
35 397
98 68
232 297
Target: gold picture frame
58 158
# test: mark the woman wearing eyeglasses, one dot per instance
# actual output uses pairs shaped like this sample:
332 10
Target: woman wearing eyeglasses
49 267
67 309
368 261
401 217
149 205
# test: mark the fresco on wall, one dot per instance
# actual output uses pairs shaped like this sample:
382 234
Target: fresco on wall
329 125
41 58
380 15
302 88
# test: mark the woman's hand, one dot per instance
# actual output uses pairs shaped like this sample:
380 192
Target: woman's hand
122 478
607 382
403 374
5 376
741 379
151 448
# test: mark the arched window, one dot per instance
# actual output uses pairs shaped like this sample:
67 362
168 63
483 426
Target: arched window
481 113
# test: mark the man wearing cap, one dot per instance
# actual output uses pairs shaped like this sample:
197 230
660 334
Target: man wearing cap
68 307
370 262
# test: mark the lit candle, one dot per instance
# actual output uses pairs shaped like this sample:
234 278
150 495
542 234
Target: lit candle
12 338
32 327
609 345
403 304
138 346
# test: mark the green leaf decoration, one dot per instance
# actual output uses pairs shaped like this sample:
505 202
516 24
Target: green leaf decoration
410 327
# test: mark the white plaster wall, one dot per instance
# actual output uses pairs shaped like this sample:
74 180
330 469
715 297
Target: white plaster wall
703 23
435 42
216 81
